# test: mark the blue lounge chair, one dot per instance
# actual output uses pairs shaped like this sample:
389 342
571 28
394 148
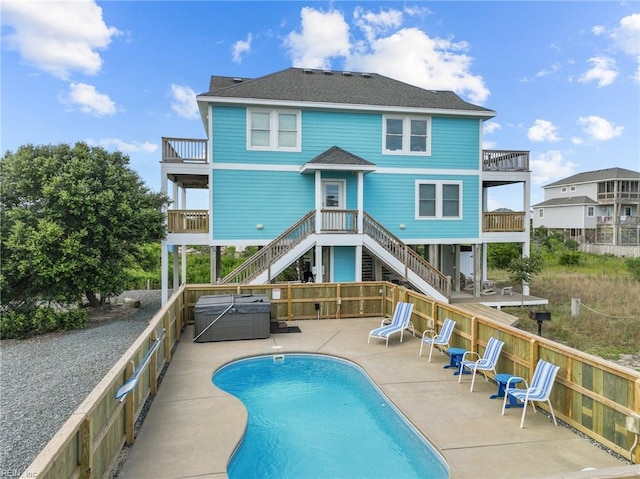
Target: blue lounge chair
485 363
401 320
538 390
431 338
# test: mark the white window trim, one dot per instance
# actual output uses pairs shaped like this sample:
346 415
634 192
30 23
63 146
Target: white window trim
273 129
563 189
406 135
439 184
593 211
541 213
572 189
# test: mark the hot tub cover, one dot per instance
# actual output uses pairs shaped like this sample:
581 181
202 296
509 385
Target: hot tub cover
242 304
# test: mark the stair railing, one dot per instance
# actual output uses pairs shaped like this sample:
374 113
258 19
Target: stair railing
403 253
267 255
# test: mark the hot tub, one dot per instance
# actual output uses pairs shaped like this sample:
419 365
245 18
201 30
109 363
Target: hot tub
231 317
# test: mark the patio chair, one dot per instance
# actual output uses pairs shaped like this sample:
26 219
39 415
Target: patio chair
465 282
432 338
485 363
401 320
539 389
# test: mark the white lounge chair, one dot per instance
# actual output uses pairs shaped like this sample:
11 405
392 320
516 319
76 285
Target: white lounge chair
401 320
432 338
485 363
539 389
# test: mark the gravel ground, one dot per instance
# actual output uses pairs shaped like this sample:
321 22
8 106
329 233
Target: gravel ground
45 378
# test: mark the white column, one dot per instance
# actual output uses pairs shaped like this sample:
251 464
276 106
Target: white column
164 271
318 265
360 205
176 270
358 277
526 246
183 271
318 178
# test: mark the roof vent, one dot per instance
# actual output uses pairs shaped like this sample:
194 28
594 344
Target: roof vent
327 72
238 80
308 71
347 74
366 75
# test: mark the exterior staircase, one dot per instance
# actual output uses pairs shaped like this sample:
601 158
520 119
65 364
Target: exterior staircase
376 240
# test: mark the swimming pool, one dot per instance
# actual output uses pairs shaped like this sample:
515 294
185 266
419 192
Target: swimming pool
314 416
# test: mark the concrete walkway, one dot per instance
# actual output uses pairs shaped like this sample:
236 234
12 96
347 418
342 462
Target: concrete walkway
193 427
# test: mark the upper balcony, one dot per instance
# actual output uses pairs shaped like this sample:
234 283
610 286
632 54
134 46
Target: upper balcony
505 160
184 150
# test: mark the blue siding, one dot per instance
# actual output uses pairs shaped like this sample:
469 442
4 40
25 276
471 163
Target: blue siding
390 199
344 264
242 199
277 199
455 141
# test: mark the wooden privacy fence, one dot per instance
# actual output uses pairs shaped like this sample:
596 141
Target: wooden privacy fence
592 395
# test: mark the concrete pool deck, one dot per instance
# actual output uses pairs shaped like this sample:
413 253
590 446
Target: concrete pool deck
193 427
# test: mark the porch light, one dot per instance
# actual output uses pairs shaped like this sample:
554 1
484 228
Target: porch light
259 226
402 226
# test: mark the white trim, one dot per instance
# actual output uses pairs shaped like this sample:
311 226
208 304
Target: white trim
273 129
386 171
439 200
347 106
406 135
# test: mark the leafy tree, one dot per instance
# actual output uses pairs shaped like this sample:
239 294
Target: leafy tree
524 268
73 219
500 255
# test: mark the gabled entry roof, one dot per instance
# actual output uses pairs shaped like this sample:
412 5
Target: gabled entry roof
337 159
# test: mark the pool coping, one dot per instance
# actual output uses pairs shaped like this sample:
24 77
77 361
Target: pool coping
193 427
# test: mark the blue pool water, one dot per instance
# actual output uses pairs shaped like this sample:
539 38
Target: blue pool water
312 416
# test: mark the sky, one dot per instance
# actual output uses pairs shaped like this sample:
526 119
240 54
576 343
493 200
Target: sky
562 76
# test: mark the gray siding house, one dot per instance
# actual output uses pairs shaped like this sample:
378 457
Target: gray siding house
601 207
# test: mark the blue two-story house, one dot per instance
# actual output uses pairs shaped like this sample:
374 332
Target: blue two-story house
355 175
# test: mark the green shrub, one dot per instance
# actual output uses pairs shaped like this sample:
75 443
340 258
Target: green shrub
569 258
633 266
26 322
500 255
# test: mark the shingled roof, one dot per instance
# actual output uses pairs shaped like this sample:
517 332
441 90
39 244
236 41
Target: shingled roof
337 157
597 175
321 86
572 200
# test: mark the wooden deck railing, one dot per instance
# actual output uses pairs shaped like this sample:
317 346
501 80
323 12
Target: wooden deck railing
592 395
187 221
185 150
266 256
411 260
502 221
505 160
618 220
339 221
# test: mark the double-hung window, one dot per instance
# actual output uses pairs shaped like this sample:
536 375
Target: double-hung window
438 200
277 130
407 135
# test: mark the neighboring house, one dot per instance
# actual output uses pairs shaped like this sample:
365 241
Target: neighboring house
347 173
601 206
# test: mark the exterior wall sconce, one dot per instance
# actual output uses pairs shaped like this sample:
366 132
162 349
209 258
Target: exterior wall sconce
259 226
402 226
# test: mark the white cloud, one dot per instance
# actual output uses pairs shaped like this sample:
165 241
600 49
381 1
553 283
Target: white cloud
626 36
124 146
543 130
489 127
184 102
322 37
603 70
57 37
374 24
241 47
89 99
550 166
405 54
599 129
577 140
597 30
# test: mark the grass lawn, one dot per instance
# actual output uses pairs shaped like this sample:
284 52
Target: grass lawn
609 321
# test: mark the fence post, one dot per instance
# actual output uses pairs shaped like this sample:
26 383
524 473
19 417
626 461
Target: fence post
153 366
129 420
85 448
575 307
166 324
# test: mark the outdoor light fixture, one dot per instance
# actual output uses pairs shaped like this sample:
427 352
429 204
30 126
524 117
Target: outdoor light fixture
259 226
402 226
